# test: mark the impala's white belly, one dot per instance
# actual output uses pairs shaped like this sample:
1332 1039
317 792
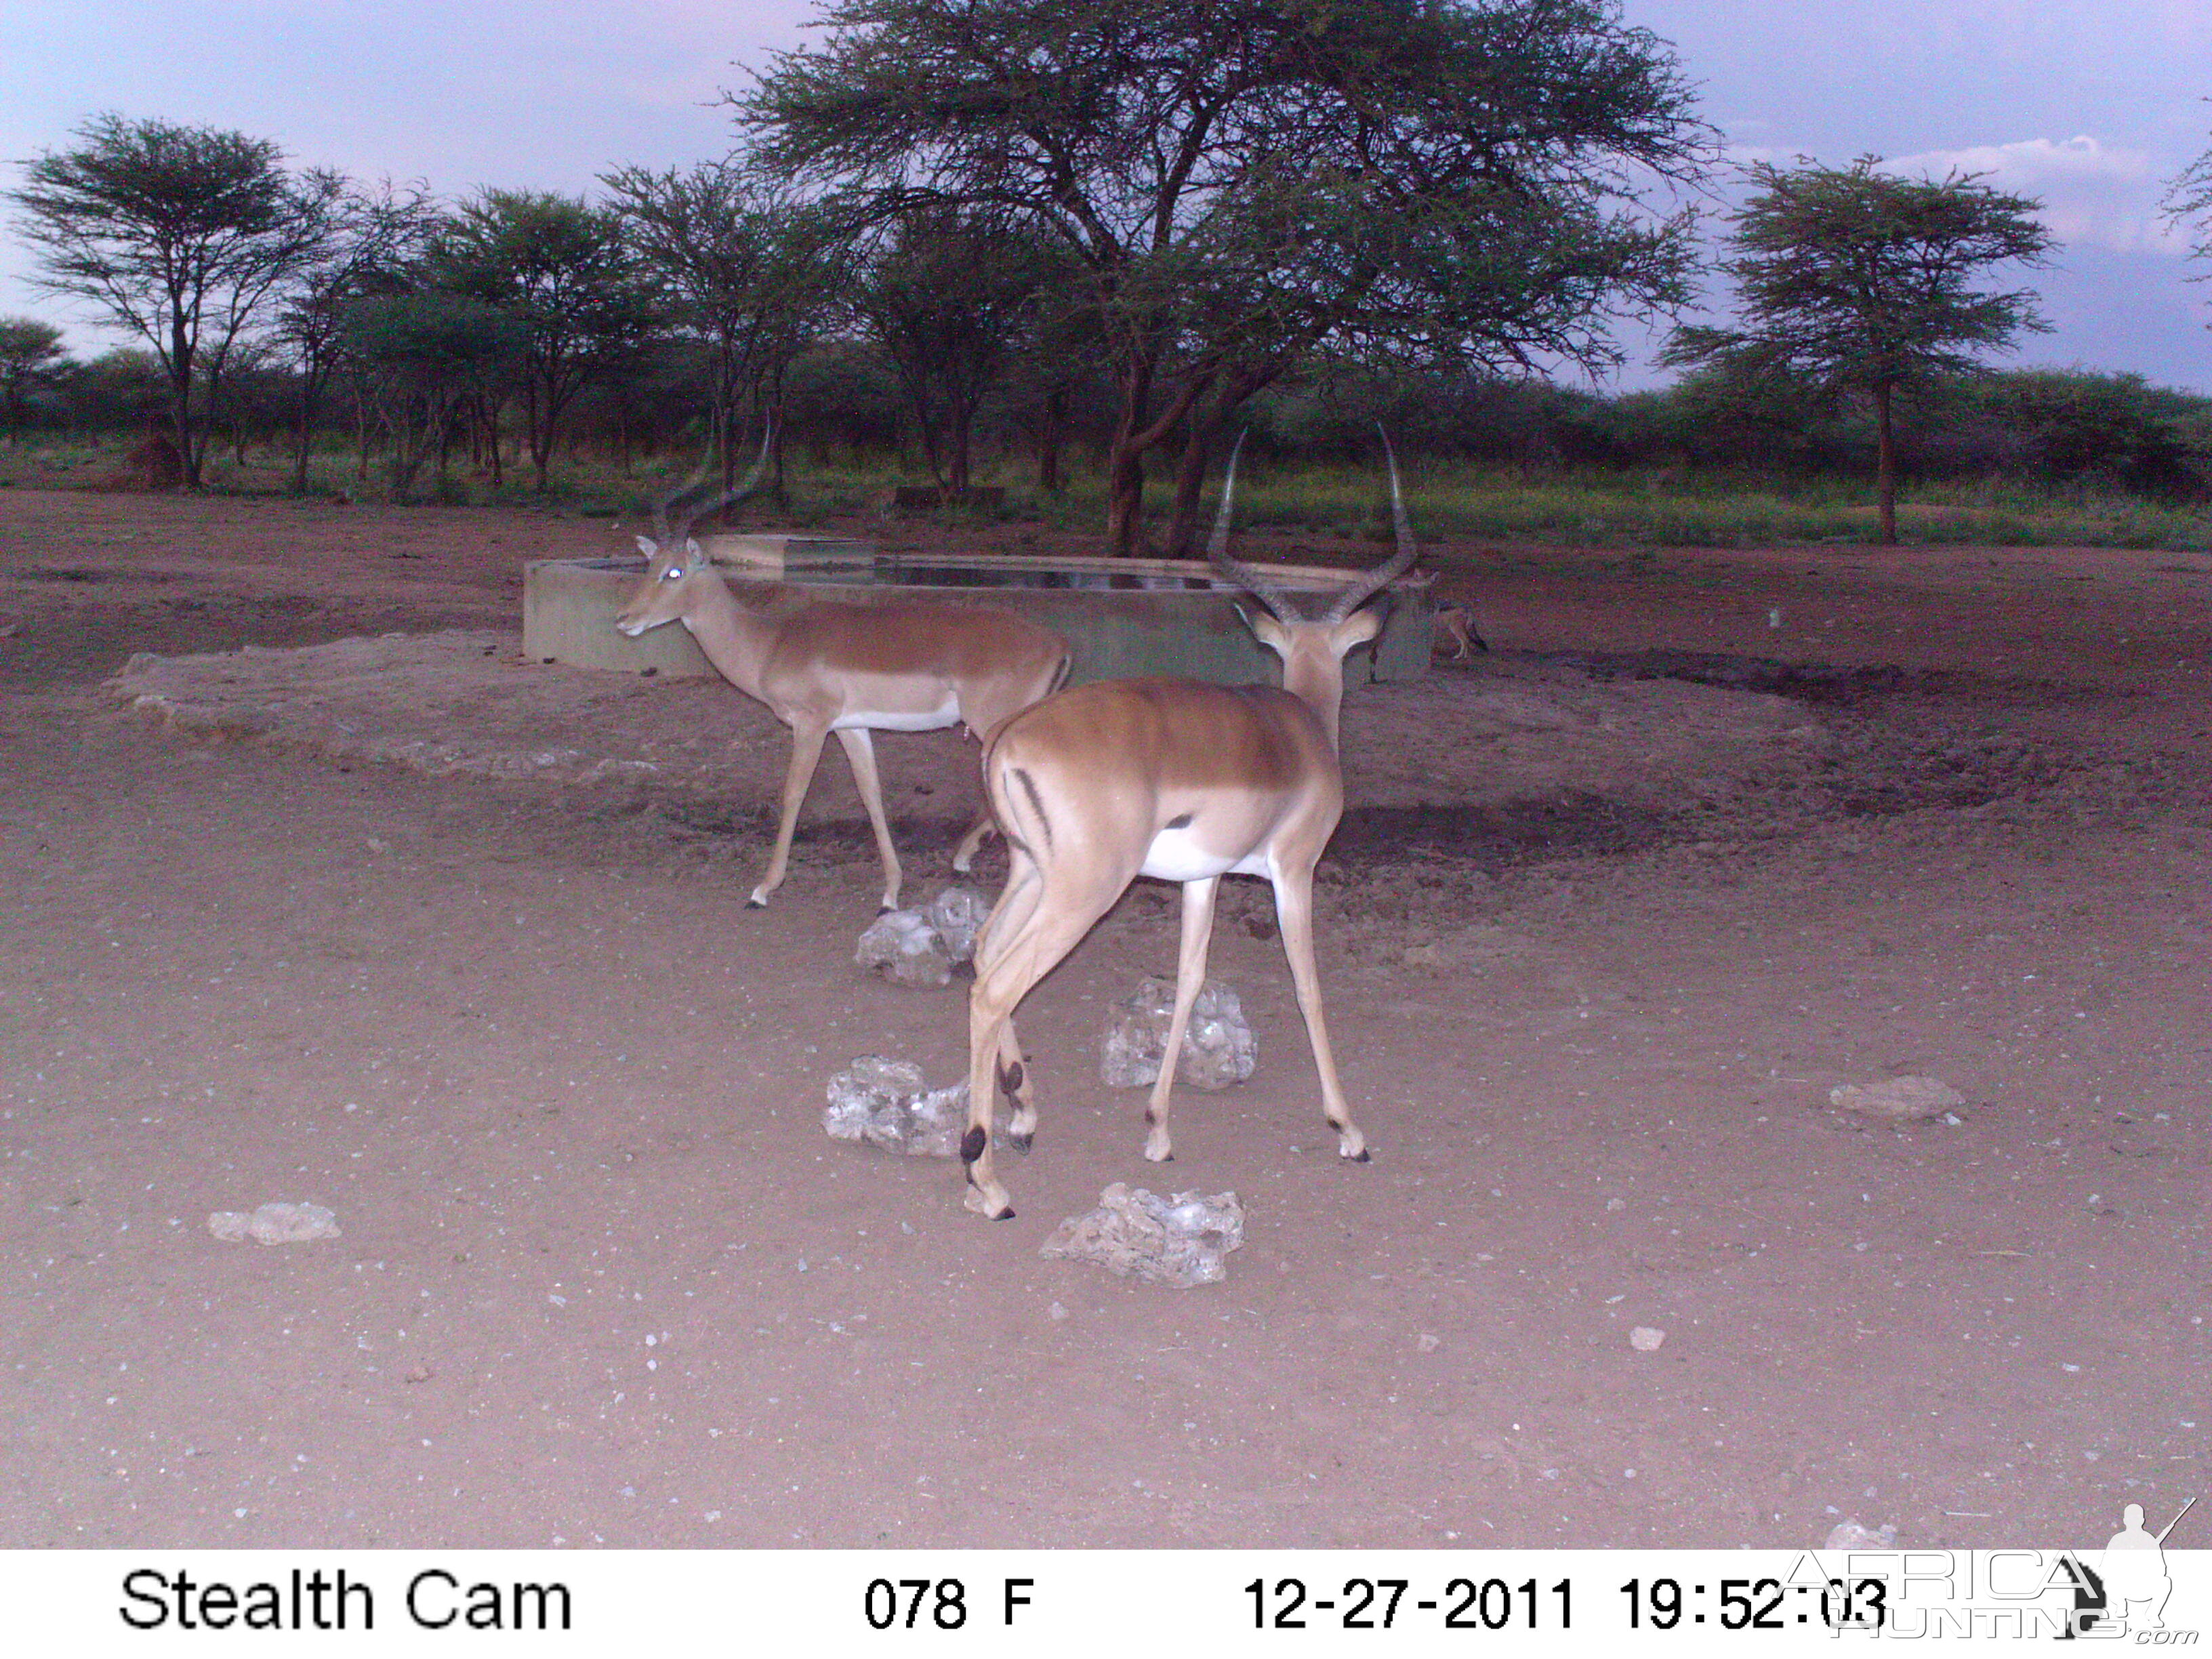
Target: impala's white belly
1176 855
946 713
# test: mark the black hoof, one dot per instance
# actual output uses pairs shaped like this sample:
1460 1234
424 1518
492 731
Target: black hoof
1365 1157
885 909
1019 1143
1006 1214
756 904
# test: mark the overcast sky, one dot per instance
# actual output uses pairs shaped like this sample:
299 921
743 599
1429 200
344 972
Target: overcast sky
2090 107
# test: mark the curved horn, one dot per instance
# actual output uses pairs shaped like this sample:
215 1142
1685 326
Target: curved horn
1217 555
1392 567
728 498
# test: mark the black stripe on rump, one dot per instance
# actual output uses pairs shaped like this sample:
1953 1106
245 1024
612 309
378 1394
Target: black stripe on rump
1037 803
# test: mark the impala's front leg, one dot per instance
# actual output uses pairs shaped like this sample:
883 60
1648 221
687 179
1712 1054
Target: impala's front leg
807 737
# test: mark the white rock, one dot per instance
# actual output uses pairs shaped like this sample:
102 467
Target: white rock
886 1104
906 949
276 1224
1850 1535
1897 1099
1179 1240
1218 1047
957 913
1646 1339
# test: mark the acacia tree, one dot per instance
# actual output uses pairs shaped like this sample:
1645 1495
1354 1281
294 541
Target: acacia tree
181 235
1242 183
1863 282
749 272
30 357
2188 206
564 271
417 360
950 298
376 237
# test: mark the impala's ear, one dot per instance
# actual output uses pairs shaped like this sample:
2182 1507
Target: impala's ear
648 546
693 557
1357 629
1266 629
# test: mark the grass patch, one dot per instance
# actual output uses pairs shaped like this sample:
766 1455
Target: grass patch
1651 506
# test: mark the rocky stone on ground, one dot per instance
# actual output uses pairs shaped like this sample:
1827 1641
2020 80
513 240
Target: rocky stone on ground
275 1224
1851 1535
906 949
1180 1241
1897 1099
958 914
1218 1047
886 1103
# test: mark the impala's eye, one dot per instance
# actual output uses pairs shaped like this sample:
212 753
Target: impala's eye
671 573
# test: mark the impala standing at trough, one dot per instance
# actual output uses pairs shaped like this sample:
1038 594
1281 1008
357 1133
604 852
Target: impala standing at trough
1182 781
849 669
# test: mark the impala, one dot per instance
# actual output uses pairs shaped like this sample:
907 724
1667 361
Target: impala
1182 781
846 668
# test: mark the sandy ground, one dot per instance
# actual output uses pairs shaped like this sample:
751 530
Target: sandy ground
456 945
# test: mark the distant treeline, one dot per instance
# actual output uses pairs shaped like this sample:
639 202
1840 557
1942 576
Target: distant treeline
844 405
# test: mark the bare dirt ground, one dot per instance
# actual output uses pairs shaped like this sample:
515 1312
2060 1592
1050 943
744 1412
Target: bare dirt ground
456 945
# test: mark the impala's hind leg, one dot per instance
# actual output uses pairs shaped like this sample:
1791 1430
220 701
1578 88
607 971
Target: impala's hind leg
1023 941
1294 910
861 750
1190 974
1012 1074
964 856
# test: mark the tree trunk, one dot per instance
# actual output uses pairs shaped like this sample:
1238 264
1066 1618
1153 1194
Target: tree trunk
1203 439
1125 467
180 402
957 467
1190 483
493 409
1125 497
1885 465
1056 416
299 449
774 411
541 437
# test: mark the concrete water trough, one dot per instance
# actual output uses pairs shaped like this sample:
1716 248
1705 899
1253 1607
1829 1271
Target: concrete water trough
1120 617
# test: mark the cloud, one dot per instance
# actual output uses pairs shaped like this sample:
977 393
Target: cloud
2091 193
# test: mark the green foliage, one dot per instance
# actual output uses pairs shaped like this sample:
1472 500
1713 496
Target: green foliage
31 361
743 266
2188 206
1857 280
1854 280
950 298
1244 185
417 357
563 271
119 391
181 235
2111 431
